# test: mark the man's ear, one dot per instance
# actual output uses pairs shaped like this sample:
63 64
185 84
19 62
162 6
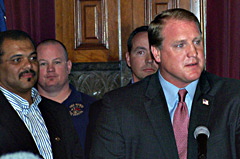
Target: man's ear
69 66
156 53
128 59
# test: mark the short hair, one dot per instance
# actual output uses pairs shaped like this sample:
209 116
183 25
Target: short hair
137 30
13 35
156 26
54 41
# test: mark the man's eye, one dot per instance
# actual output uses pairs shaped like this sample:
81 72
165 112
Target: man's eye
42 64
140 52
16 60
179 45
57 62
33 58
197 42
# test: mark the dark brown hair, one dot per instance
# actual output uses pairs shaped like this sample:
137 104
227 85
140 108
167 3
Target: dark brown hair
156 26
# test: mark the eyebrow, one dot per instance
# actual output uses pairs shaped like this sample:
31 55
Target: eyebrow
58 58
20 55
198 38
140 48
34 52
184 40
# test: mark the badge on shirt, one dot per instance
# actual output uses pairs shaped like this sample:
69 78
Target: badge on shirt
76 109
205 102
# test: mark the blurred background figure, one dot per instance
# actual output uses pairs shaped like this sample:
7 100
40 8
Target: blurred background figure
20 155
139 58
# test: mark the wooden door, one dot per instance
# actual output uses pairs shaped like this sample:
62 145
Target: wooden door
97 30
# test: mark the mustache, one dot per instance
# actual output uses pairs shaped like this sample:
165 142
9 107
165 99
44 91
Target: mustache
27 71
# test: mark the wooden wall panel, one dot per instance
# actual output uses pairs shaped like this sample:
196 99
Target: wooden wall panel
89 29
160 5
91 22
133 15
154 7
184 4
90 26
98 30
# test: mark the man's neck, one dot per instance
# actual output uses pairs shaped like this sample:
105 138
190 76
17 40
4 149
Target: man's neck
27 95
56 95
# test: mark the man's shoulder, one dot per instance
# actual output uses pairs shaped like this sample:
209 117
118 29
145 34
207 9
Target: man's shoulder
50 105
217 80
137 89
223 85
87 97
81 96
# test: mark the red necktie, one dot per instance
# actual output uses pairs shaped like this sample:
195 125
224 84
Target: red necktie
180 124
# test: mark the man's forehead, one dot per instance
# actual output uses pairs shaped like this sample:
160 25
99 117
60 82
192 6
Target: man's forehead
51 59
49 46
143 34
24 46
50 50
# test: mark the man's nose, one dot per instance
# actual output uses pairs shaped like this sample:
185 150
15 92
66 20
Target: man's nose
50 67
149 58
28 63
192 51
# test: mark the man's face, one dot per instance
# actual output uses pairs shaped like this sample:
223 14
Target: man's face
140 60
182 56
53 67
18 67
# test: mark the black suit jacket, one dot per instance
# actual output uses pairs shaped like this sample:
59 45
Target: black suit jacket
135 123
14 135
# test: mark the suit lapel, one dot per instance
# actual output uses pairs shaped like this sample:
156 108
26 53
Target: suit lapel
200 113
157 110
12 123
50 117
158 114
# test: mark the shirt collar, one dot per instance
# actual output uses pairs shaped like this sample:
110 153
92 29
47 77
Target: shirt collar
21 104
171 91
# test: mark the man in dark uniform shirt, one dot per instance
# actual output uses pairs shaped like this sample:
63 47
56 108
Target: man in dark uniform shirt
53 83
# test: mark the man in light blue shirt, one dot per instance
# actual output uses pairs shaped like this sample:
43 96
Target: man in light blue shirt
157 116
29 122
171 95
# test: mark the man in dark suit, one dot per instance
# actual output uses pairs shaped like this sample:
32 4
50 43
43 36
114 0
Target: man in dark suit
141 63
139 121
29 122
138 56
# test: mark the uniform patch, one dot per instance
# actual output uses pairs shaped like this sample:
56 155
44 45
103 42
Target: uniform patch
76 109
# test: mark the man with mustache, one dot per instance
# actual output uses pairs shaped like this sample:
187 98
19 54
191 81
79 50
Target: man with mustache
156 118
29 122
138 57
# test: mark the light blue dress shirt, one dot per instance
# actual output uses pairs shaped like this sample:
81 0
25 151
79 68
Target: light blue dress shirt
171 94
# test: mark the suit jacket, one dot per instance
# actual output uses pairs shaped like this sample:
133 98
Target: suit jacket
14 135
135 123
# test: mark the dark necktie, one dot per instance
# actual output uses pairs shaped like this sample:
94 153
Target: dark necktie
180 124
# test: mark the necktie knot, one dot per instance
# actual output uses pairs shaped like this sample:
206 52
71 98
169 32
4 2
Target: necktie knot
182 94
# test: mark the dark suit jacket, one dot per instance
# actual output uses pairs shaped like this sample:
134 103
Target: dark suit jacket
135 123
14 136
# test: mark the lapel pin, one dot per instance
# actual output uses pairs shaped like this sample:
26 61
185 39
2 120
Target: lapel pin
205 102
57 138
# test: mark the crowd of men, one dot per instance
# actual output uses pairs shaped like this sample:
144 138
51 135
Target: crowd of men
156 115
